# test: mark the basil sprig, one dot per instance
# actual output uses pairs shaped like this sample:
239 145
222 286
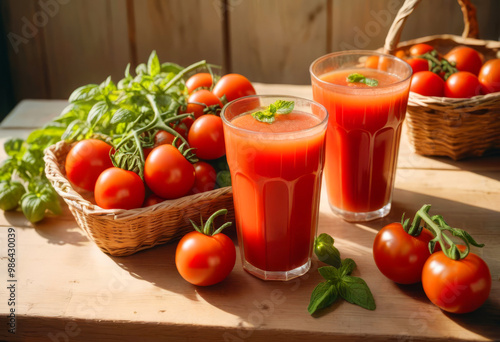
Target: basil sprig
339 282
359 78
268 115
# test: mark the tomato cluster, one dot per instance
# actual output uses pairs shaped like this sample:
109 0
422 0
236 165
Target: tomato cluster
460 73
455 281
171 168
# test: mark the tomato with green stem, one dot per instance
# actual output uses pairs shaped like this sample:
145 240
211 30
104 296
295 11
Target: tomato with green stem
400 254
205 257
206 136
454 279
86 160
418 64
203 102
119 189
168 173
420 49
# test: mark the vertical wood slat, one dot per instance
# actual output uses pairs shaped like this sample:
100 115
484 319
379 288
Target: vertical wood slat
182 32
276 40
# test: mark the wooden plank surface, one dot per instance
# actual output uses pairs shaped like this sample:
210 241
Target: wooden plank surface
69 289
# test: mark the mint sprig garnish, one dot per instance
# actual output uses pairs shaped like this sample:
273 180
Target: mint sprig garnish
339 282
268 115
359 78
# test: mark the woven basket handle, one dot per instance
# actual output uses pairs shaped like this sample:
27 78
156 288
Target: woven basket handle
471 29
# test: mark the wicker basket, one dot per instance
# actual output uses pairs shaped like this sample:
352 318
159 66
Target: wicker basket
123 232
439 126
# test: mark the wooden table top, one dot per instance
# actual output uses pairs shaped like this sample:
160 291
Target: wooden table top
68 290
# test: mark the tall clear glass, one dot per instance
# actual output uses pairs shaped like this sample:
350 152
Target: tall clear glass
364 128
276 172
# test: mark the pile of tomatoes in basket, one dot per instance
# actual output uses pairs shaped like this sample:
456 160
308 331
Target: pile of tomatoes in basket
460 73
170 170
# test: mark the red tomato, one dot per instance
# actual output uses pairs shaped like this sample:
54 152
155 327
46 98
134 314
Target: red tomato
200 80
420 49
168 173
205 260
205 177
152 199
233 86
119 189
207 136
400 54
462 84
200 100
427 83
457 286
372 62
85 162
489 76
418 64
400 256
465 59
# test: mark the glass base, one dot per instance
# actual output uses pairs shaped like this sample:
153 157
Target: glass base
277 275
364 216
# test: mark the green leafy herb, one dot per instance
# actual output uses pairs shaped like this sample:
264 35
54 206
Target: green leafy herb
278 107
127 114
359 78
338 280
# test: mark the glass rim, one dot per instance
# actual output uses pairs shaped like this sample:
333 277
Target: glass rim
360 53
227 122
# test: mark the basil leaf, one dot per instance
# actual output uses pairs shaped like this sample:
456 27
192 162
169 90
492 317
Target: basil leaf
329 273
10 194
14 147
122 115
84 93
278 107
322 296
326 251
33 207
223 178
171 68
348 265
153 64
97 112
356 291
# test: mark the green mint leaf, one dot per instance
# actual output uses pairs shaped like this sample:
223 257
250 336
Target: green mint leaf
359 78
326 251
322 296
264 116
154 66
278 107
356 291
348 265
284 107
329 273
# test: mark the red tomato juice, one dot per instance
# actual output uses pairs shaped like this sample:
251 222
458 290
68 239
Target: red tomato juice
276 175
363 137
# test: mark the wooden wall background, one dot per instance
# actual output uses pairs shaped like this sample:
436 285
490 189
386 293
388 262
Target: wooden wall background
54 46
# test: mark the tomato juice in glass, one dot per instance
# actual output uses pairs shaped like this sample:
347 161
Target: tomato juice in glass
364 129
276 172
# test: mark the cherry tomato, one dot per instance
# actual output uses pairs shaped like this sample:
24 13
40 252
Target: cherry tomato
200 100
85 162
465 59
427 83
489 76
418 64
168 173
401 54
152 199
119 189
420 49
399 255
199 80
457 286
205 260
205 177
233 86
207 136
372 62
462 84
